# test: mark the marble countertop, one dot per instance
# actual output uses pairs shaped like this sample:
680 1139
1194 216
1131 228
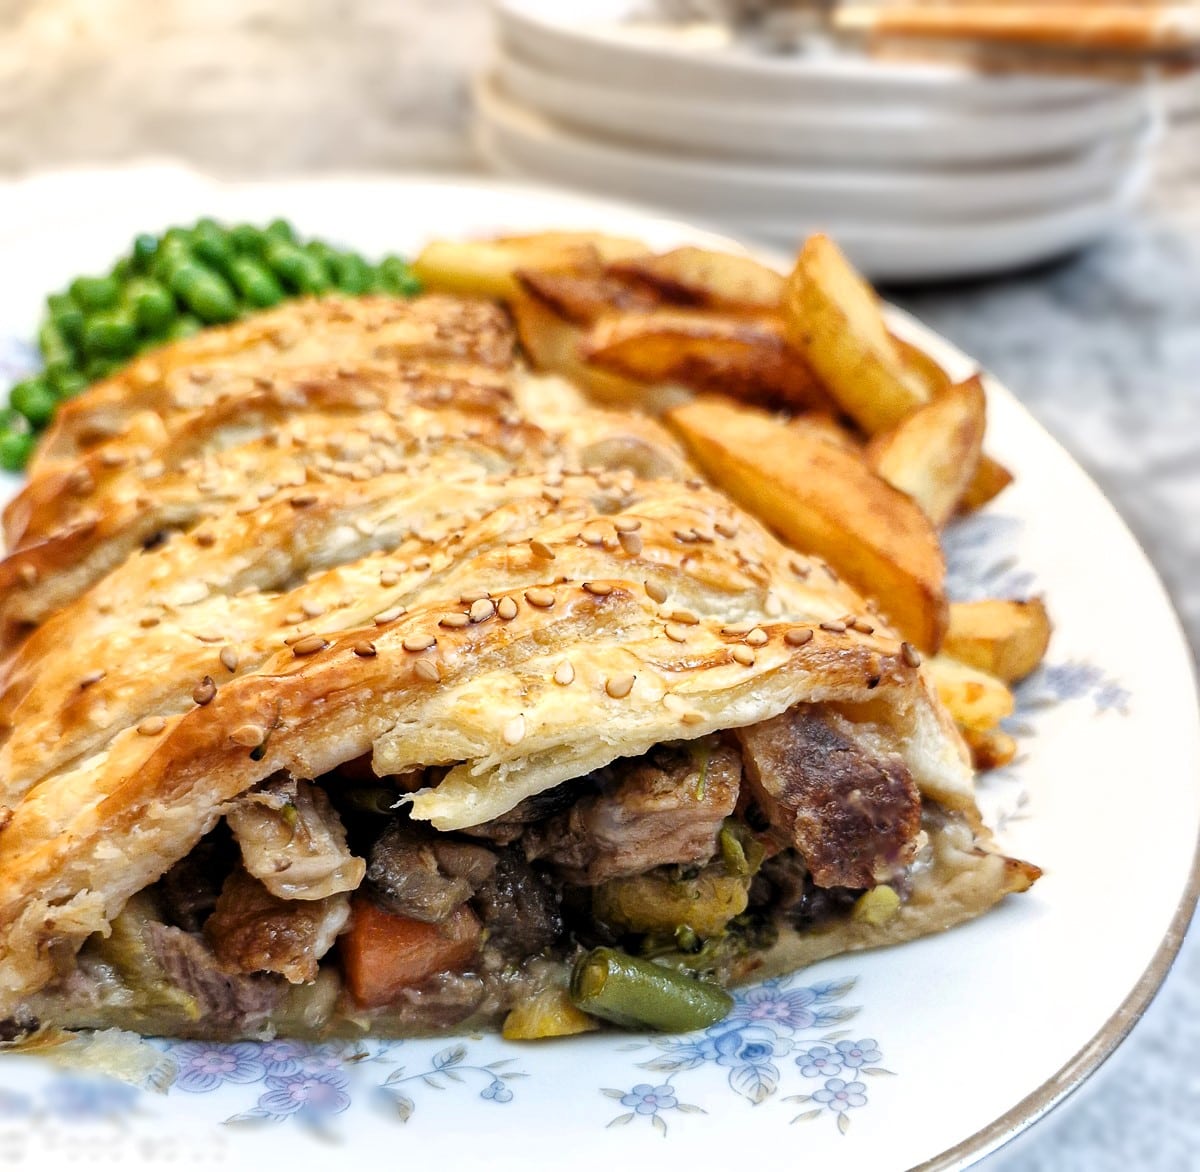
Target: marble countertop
1104 348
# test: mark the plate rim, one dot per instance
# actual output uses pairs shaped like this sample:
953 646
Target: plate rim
1057 1089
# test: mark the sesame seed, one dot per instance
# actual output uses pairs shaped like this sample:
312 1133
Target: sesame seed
692 717
737 629
152 726
536 596
421 563
113 459
206 540
229 659
798 636
389 616
910 654
553 480
309 645
743 655
302 500
204 691
469 596
838 627
772 607
29 574
265 492
92 677
427 669
365 649
542 550
757 637
676 632
656 591
626 524
564 674
862 626
388 578
553 495
684 535
800 569
293 617
149 620
418 642
365 526
454 620
683 616
249 736
314 610
514 730
725 529
600 589
506 608
618 687
631 543
593 536
482 609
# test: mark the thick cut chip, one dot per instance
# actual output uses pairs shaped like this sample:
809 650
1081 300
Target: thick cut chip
824 500
977 701
1005 638
748 358
713 280
932 456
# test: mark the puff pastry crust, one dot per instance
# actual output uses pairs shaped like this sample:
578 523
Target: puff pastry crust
350 528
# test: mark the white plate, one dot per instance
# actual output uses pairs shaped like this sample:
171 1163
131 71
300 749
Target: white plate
547 150
873 133
958 1041
604 41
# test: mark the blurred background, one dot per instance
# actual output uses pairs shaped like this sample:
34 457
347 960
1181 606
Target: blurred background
1049 226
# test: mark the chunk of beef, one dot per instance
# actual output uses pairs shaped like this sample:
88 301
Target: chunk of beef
418 873
226 1001
853 817
666 807
519 907
293 840
253 931
189 890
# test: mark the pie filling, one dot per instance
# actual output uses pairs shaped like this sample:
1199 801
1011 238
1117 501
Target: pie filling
318 908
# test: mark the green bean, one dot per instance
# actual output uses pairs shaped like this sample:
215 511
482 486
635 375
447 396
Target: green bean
35 400
111 334
93 293
246 238
151 304
67 316
206 293
184 326
398 278
66 384
296 268
255 282
15 450
639 993
352 274
144 248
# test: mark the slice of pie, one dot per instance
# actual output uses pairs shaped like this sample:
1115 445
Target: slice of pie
356 680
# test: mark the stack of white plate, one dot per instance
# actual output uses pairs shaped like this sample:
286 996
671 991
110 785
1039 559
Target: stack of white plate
921 171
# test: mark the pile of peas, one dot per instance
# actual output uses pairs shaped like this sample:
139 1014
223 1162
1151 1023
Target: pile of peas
169 287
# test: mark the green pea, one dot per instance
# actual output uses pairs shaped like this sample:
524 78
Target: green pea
122 270
12 420
97 368
93 293
35 400
111 334
211 245
205 293
246 238
15 450
67 316
281 230
398 278
184 326
171 256
57 353
323 252
66 384
145 247
173 237
255 282
352 274
297 269
151 304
